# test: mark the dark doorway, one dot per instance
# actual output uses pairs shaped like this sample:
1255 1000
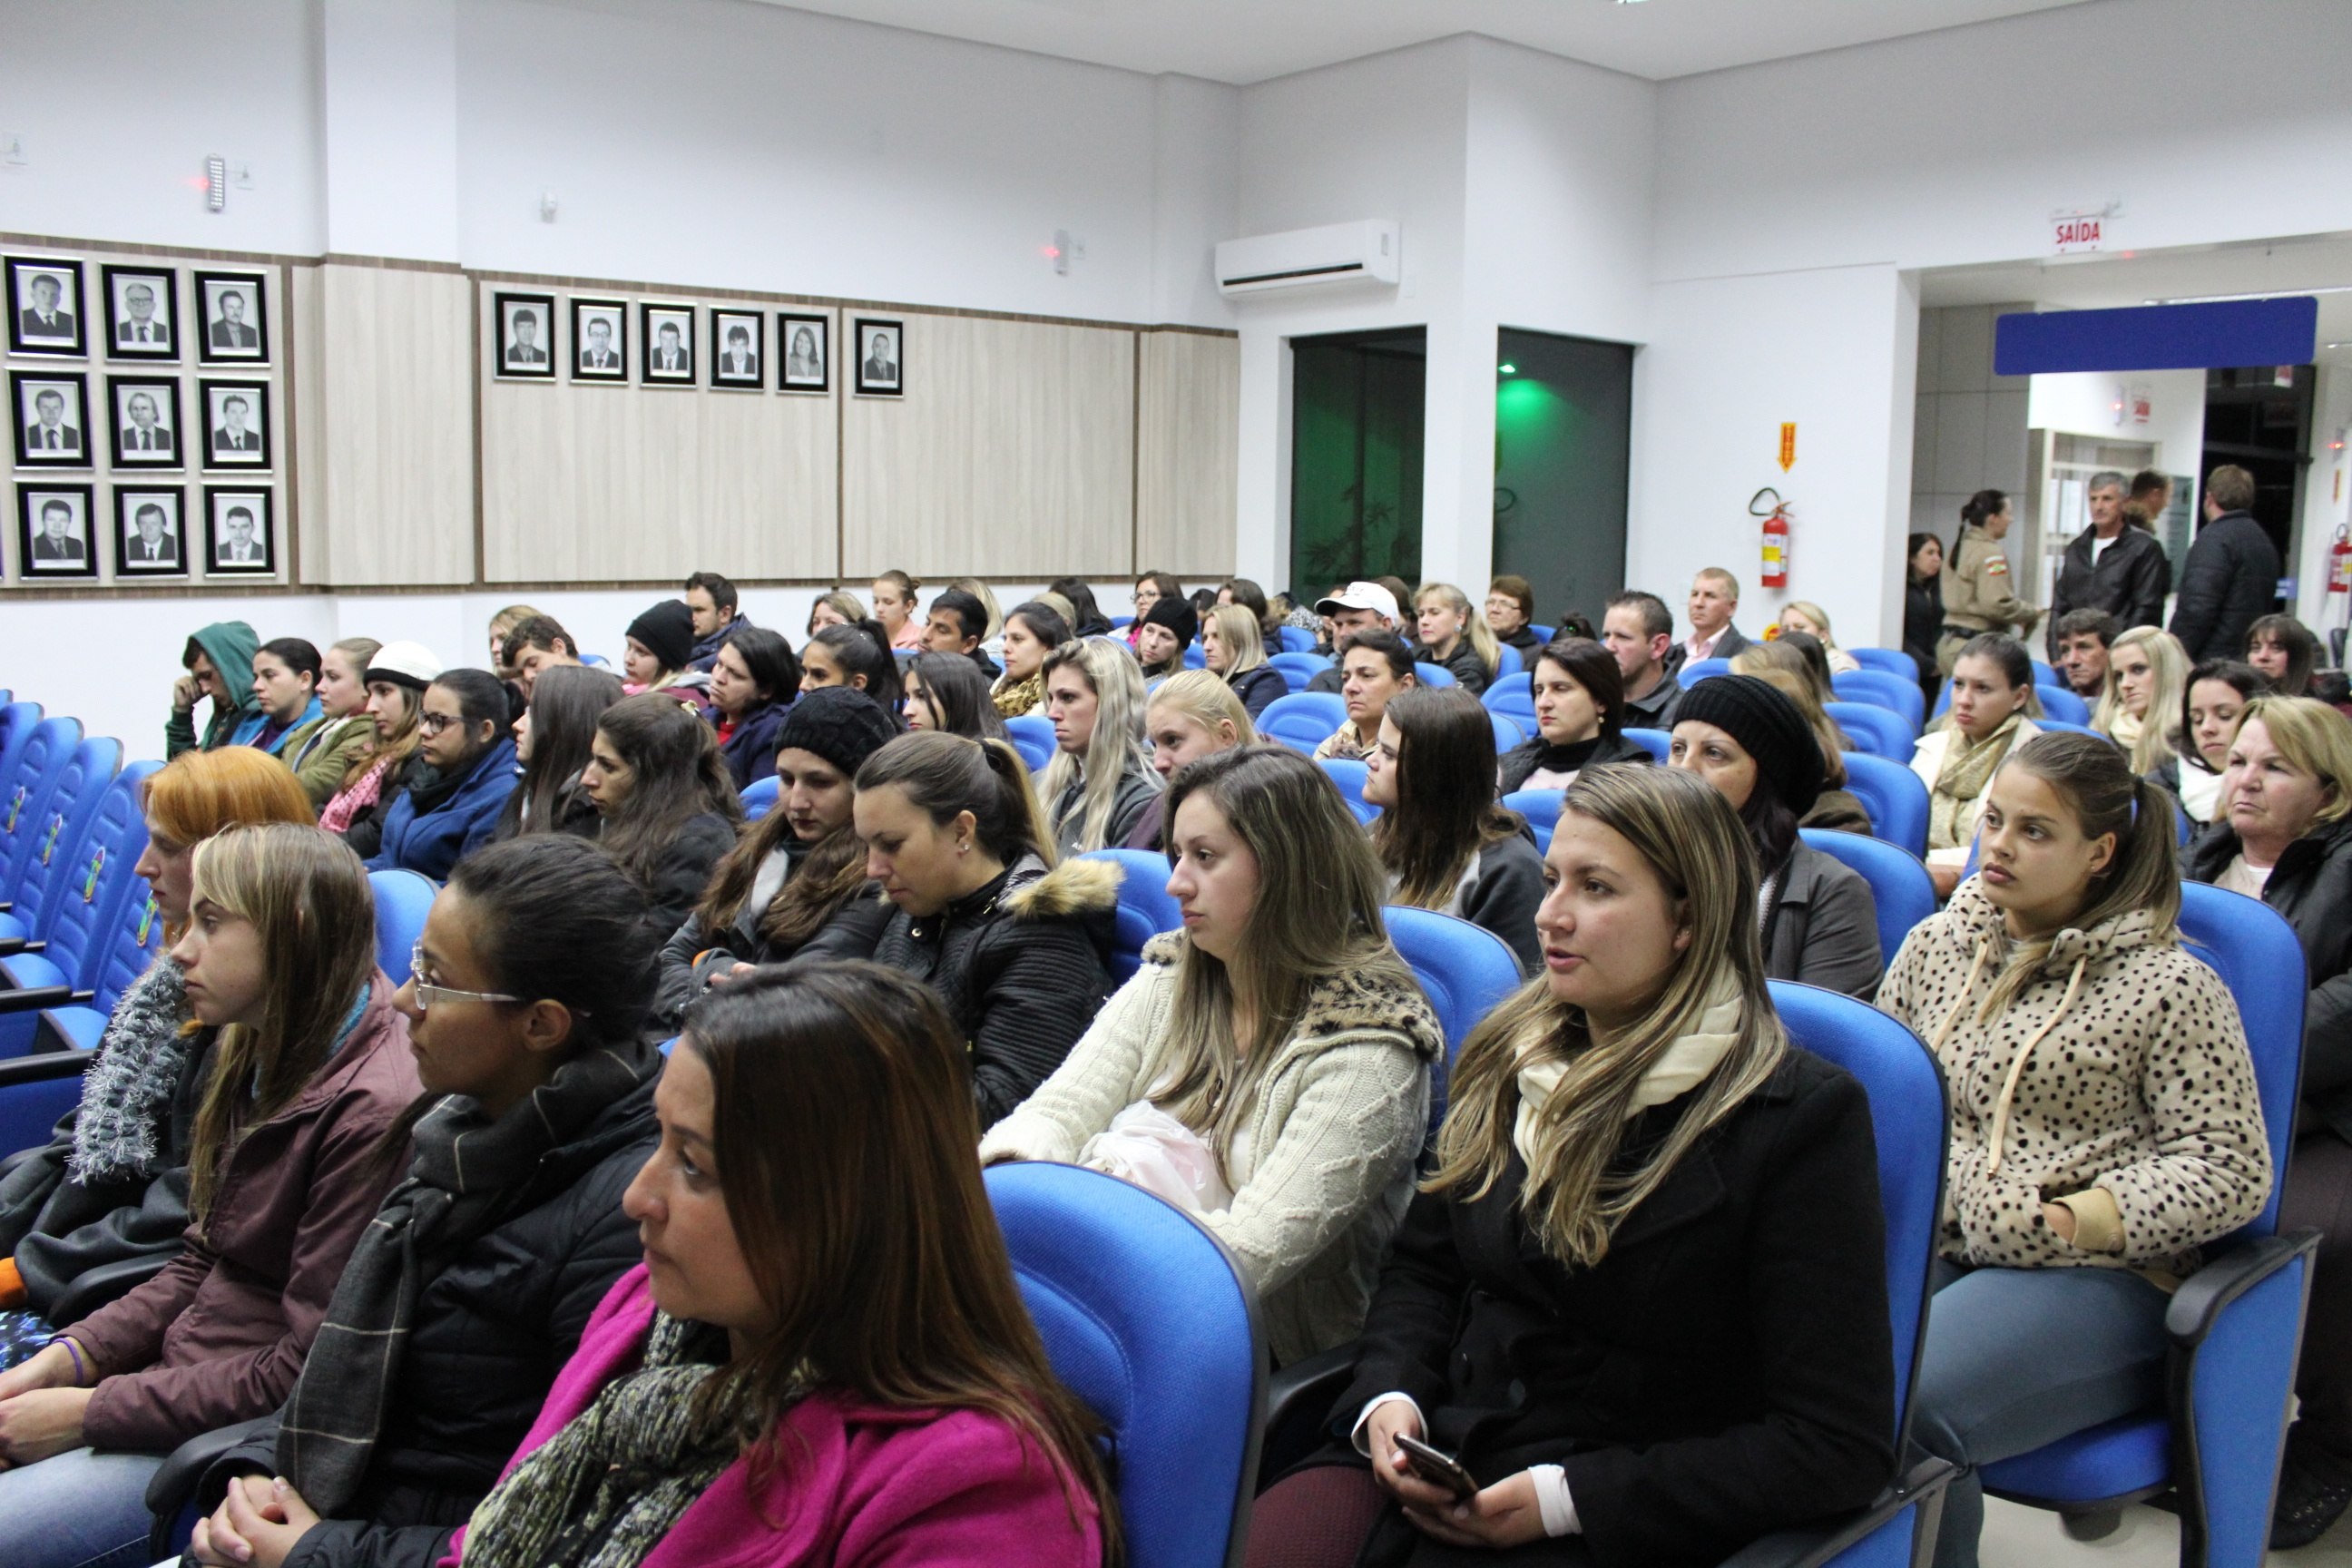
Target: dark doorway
1563 454
1355 457
2260 418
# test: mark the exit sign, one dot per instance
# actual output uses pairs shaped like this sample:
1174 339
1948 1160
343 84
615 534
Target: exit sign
2082 229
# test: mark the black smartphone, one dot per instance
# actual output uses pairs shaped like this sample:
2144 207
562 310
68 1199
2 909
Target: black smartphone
1436 1466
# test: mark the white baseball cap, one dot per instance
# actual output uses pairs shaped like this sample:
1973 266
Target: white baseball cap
1360 596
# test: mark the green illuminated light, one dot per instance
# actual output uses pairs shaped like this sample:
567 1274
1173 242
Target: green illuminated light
1508 369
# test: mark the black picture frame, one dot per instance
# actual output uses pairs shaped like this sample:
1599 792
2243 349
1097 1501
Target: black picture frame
753 324
586 313
219 340
212 398
789 325
869 383
221 501
131 558
25 389
122 323
69 315
511 357
651 320
36 560
162 392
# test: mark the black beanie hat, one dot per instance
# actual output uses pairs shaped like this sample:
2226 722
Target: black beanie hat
1768 727
839 723
1176 614
667 632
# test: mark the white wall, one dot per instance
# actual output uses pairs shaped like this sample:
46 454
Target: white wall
2326 501
2086 405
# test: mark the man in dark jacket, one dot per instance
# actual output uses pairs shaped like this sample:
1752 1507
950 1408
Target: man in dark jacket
2110 566
712 600
2231 578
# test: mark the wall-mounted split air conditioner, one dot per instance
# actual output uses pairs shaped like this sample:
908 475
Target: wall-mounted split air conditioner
1366 252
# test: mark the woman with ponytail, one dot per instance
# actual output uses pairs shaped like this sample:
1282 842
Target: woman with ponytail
2105 1118
855 655
1979 588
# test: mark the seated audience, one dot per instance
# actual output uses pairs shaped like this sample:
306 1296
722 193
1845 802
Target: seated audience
1161 635
896 607
858 655
1226 1085
111 1185
1441 838
1638 631
2219 690
795 883
2148 677
1992 693
323 751
285 688
1193 714
539 643
554 740
1374 666
1233 648
219 662
2079 643
309 1072
958 623
1150 589
526 1013
1819 920
502 625
1090 621
1451 635
753 679
659 644
2286 651
1510 606
1923 605
1058 605
1579 720
1357 607
729 1403
947 691
457 783
711 600
395 678
1030 632
1804 616
1245 593
1014 945
986 598
1836 808
1801 654
1101 782
666 810
1713 602
1642 1299
837 608
2105 1121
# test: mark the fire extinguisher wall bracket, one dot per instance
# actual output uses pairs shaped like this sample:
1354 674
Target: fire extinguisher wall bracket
1775 536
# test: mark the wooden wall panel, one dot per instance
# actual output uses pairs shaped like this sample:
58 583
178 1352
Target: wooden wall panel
1188 452
1011 454
617 482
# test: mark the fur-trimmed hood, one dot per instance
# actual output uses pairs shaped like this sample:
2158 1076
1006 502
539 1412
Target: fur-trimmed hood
1071 888
1342 1005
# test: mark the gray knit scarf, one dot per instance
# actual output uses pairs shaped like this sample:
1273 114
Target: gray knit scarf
127 1092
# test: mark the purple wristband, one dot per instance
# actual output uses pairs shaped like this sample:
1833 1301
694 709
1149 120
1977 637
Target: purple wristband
82 1373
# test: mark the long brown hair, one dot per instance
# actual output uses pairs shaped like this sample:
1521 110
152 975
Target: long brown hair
944 774
680 775
829 873
1445 809
842 1126
306 895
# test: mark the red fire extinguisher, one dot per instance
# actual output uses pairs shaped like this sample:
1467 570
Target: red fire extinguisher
1776 536
2339 564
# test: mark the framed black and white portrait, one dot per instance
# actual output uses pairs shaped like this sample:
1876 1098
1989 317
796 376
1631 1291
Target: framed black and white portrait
237 423
600 340
142 312
526 345
52 418
735 348
146 423
881 357
804 351
53 531
239 539
150 533
45 307
233 327
670 344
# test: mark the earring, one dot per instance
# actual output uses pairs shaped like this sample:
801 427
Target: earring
963 848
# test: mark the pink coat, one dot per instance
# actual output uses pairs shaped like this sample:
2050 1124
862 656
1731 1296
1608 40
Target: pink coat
868 1486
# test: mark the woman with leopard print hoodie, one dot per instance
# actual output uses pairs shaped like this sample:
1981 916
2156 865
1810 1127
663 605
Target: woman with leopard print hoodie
2103 1121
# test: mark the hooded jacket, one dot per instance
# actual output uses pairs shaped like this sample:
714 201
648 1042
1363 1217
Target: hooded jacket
1022 965
1338 1118
432 825
2116 1082
750 749
230 646
321 751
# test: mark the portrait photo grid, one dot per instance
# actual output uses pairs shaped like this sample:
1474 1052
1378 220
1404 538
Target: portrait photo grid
589 339
143 398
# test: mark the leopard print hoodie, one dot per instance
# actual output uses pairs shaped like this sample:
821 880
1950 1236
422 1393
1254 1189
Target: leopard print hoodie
2117 1082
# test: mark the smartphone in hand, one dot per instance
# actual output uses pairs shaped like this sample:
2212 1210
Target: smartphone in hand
1437 1468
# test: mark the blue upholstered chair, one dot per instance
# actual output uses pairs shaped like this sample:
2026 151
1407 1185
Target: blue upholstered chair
403 900
1543 634
760 797
1145 909
1349 775
1899 885
1881 731
25 796
1302 720
1514 697
1699 670
1436 675
1509 662
2059 702
1541 808
1896 800
2068 727
1508 732
1464 970
1032 737
1892 660
1297 668
1196 657
56 858
1894 691
1297 640
1657 742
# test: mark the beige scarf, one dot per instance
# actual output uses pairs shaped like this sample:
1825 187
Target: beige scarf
1683 1066
1967 770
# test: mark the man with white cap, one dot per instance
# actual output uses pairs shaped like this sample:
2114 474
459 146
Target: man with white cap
1357 607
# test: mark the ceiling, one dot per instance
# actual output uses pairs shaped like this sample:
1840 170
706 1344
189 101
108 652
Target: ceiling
1243 41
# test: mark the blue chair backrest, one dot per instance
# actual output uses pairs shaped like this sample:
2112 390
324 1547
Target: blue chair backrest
598 660
1507 661
1297 640
25 808
2045 675
1895 798
1430 673
1507 732
1699 670
1893 660
55 858
1513 696
1543 634
1302 720
1350 776
1196 657
760 797
1032 737
403 900
97 882
1120 623
1541 808
1886 690
1464 970
17 722
1881 731
1297 668
1899 885
1146 1320
2068 727
1657 742
1907 1115
2059 702
1145 907
2251 946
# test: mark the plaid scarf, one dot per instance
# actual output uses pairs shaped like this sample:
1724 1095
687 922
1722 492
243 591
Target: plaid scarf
468 1170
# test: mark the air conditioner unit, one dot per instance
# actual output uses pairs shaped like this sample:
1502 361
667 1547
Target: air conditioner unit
1366 252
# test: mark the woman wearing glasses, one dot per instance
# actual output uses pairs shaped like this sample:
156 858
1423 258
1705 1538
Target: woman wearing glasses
459 783
530 989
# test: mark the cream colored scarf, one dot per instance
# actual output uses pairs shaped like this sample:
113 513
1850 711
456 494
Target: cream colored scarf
1683 1066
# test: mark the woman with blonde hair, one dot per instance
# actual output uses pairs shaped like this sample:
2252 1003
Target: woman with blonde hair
1193 714
1100 781
1275 1030
1450 634
321 752
1642 1297
2147 675
1232 648
1804 616
502 623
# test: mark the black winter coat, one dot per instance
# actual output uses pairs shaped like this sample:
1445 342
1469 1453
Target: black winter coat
750 751
684 869
2126 580
1258 687
692 955
2228 582
1512 771
1724 1372
1922 624
1469 671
